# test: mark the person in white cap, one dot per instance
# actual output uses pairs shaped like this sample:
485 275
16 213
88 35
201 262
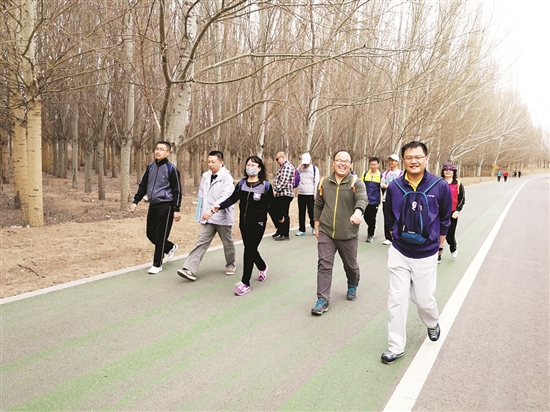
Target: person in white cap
391 174
309 179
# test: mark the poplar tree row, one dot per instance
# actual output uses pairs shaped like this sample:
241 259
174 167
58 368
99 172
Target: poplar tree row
99 82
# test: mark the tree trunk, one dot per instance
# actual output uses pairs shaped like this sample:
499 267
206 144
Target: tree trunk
126 144
125 151
139 163
74 132
114 170
64 160
34 154
100 149
88 163
5 162
20 166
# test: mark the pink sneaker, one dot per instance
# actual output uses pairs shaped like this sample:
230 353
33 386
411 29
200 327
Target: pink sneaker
262 274
242 289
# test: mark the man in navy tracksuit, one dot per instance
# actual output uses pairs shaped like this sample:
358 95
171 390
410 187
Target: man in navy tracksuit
413 266
161 183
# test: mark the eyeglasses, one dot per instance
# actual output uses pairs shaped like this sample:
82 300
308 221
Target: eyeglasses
342 162
410 158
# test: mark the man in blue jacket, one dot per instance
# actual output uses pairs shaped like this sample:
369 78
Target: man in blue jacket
412 257
161 183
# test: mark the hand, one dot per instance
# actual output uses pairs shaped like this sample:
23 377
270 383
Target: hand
455 214
177 216
207 215
282 220
132 208
355 219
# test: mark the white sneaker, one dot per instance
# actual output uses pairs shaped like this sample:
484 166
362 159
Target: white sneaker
313 231
231 271
386 242
153 270
170 255
454 254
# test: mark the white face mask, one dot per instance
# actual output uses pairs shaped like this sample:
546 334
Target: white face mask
252 171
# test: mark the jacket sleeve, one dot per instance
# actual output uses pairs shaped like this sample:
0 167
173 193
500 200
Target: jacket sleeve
142 187
389 217
445 208
319 202
227 188
175 185
461 197
231 200
360 195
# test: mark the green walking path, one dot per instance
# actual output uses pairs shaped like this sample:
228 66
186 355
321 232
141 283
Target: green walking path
159 342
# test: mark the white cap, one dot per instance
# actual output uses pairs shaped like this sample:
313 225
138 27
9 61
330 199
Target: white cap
394 157
306 159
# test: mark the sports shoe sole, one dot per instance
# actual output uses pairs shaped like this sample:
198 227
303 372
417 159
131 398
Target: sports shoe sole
389 362
317 312
186 274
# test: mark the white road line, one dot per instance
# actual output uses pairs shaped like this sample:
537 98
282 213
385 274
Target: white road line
405 395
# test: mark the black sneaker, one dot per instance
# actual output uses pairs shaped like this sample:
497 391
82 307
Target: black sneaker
281 237
321 306
276 234
370 239
389 357
438 259
352 292
433 333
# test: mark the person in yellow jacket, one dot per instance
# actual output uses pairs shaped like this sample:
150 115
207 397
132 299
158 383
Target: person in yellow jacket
338 211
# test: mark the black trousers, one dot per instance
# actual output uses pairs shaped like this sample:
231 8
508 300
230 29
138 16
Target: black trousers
451 235
282 204
387 229
160 217
252 235
305 202
370 218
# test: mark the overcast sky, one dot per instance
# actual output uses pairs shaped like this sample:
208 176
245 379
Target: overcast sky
527 48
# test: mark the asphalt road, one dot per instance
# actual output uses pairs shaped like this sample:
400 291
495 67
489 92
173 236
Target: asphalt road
141 342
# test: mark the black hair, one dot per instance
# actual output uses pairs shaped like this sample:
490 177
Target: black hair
374 159
216 153
340 151
164 142
412 145
257 160
455 172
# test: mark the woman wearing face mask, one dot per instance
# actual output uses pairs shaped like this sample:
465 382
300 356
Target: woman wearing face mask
255 194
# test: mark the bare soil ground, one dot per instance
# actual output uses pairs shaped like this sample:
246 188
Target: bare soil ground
83 237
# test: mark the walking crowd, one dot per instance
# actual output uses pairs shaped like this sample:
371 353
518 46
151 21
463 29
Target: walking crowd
420 213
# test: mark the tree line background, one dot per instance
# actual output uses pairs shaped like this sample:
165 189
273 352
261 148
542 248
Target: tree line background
98 82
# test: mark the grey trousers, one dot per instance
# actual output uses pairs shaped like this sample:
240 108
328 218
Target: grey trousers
207 232
326 249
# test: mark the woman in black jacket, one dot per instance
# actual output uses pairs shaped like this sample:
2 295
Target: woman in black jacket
256 196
